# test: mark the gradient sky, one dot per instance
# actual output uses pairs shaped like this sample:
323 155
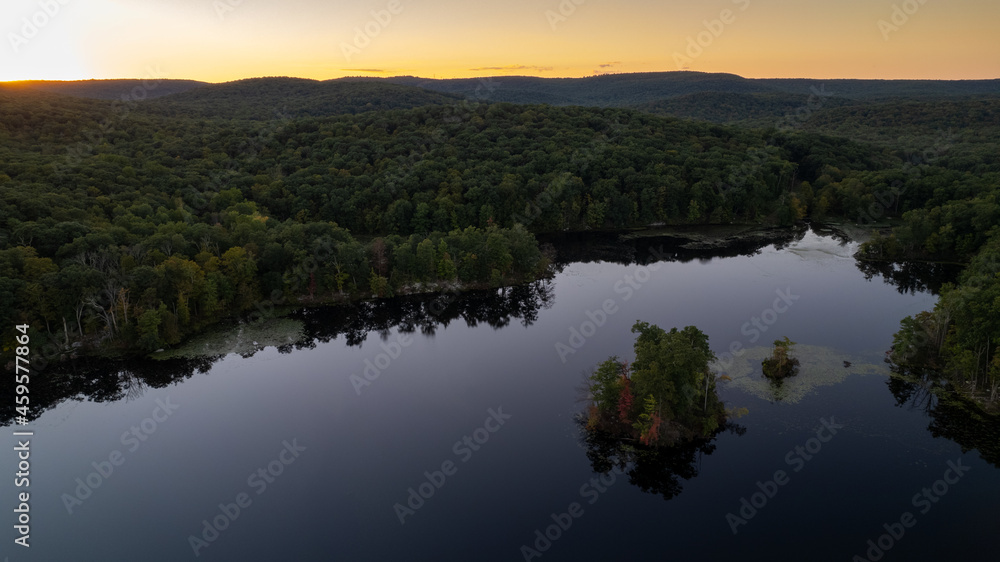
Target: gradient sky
220 40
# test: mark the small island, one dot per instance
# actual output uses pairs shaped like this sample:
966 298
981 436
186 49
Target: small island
663 398
780 365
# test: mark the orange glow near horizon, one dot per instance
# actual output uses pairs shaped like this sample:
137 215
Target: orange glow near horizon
223 40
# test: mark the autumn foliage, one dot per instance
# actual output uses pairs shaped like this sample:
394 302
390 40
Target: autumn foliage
666 395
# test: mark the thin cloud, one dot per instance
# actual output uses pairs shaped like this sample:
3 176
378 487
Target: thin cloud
609 64
363 70
514 67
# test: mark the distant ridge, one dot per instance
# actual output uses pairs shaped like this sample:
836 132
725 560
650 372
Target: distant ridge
625 89
604 90
109 89
863 89
715 97
640 88
265 98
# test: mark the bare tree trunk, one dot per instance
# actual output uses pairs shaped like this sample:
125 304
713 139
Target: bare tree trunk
975 373
942 330
123 302
111 292
986 365
80 307
105 315
704 407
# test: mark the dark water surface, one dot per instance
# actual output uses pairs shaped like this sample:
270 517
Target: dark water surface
343 454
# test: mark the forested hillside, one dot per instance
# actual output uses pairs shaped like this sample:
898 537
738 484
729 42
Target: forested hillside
110 89
954 346
627 90
605 90
727 107
970 124
134 230
267 98
137 223
609 90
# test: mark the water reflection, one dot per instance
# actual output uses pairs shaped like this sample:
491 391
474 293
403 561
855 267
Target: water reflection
98 380
654 470
911 277
495 308
676 244
951 416
107 380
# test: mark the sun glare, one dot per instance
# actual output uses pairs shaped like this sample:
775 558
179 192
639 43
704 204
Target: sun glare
41 47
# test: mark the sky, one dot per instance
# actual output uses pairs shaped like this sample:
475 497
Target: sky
222 40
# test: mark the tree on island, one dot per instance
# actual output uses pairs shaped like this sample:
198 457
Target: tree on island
666 396
779 365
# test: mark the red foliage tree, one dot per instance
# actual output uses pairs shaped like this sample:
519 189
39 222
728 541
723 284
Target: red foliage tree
653 433
625 402
626 399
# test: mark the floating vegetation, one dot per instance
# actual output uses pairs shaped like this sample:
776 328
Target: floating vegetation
244 339
818 366
780 364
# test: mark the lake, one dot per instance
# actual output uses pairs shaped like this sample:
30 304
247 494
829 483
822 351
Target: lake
447 428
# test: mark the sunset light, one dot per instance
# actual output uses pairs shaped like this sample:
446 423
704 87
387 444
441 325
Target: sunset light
495 281
220 40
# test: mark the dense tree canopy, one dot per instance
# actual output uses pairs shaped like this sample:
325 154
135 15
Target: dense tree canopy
140 221
665 396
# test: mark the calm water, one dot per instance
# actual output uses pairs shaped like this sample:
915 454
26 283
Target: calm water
342 454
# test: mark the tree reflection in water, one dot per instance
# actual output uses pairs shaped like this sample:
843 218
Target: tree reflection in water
654 470
109 380
951 416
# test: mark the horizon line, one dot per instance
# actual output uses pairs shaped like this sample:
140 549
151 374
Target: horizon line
497 76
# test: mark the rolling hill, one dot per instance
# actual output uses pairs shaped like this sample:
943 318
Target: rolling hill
265 98
252 98
610 90
109 89
641 88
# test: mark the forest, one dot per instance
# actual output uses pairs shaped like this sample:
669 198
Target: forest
128 224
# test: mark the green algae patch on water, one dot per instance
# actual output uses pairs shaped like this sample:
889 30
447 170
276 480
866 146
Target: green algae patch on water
243 339
818 366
